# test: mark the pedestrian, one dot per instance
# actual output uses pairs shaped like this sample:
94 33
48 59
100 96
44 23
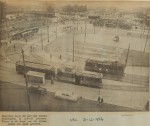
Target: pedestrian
31 48
147 106
14 47
99 100
60 57
102 100
52 80
26 40
50 55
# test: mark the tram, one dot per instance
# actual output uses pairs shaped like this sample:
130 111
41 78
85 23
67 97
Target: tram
112 67
38 67
83 78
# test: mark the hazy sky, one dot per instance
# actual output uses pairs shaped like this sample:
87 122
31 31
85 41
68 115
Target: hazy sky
130 5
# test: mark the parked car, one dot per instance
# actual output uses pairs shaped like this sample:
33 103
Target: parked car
37 89
66 95
116 38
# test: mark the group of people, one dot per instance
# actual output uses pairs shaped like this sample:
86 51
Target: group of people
100 100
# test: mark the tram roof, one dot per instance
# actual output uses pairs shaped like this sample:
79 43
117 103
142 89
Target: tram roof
36 74
71 70
68 68
89 74
104 61
36 65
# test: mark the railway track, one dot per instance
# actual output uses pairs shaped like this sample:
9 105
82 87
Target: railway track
127 88
129 78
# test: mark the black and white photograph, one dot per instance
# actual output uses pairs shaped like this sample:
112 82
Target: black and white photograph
74 56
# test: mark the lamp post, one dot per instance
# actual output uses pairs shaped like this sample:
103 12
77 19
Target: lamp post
26 80
148 25
77 21
47 30
94 28
73 44
146 39
85 29
56 27
42 39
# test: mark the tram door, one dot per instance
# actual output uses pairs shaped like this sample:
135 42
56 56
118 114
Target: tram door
77 80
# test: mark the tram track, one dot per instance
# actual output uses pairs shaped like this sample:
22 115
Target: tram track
129 78
127 88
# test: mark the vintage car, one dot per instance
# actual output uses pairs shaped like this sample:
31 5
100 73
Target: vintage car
67 95
116 38
37 89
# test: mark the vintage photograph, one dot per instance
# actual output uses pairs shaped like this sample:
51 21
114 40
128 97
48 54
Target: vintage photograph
74 56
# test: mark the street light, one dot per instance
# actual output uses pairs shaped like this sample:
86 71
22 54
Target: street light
146 39
73 44
26 80
56 27
148 25
77 21
47 30
42 39
94 28
85 29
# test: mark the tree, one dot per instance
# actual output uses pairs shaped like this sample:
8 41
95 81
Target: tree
67 9
74 8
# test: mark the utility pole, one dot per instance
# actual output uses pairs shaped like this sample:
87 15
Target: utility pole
94 28
85 30
41 39
148 26
47 29
146 39
142 31
77 22
127 55
56 27
26 80
118 23
73 45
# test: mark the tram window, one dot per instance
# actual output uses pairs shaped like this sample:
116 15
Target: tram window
88 64
95 65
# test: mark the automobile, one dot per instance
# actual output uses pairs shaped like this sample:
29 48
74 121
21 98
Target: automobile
116 38
37 89
66 95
